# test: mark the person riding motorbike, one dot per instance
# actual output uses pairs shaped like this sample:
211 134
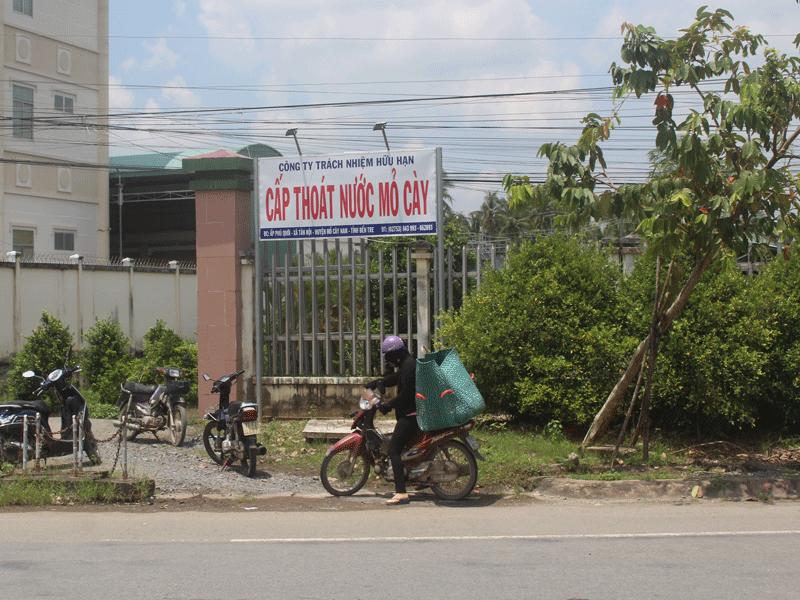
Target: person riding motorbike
404 404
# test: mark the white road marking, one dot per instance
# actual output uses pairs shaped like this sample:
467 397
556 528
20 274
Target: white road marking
458 538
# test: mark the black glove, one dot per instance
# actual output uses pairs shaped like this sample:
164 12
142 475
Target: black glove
384 408
373 385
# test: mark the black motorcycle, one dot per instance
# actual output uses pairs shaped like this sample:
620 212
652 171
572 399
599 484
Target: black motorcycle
231 433
154 408
72 403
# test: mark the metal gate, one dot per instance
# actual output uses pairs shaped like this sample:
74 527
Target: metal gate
327 305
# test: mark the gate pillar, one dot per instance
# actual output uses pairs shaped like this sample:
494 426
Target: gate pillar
222 185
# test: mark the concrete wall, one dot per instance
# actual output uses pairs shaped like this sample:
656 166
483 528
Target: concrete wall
319 397
135 297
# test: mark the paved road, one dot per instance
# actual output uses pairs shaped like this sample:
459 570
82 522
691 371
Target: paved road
566 550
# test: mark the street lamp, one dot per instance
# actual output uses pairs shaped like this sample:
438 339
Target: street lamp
293 133
382 128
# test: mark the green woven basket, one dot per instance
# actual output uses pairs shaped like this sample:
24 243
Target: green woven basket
446 394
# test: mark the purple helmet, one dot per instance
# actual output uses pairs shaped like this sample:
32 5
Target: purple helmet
391 344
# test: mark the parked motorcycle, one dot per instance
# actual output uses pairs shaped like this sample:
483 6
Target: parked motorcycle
232 428
443 459
72 403
154 408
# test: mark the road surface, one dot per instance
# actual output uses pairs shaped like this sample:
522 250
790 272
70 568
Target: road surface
554 551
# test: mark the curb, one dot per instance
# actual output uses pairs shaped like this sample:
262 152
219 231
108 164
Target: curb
721 488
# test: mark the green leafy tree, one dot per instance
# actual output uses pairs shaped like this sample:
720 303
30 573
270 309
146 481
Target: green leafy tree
732 181
43 351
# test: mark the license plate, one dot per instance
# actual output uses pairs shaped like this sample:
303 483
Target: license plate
251 427
472 442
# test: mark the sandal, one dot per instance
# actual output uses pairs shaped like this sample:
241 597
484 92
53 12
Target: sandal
398 499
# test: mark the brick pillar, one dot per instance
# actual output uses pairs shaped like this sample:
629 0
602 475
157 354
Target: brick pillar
222 185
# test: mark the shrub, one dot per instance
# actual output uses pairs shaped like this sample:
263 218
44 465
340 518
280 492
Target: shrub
542 334
710 369
727 364
164 348
43 351
107 360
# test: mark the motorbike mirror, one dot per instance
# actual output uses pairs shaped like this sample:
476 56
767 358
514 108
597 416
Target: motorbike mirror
28 374
206 377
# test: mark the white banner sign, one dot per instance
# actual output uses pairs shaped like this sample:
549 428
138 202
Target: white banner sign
342 195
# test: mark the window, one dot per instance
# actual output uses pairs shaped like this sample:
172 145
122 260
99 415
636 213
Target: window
24 7
23 242
64 240
63 103
23 112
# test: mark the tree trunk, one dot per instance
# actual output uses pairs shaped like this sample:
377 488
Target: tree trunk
609 409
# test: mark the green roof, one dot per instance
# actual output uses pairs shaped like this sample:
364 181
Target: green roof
174 159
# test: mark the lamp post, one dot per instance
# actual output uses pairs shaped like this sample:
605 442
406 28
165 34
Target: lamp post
293 133
382 128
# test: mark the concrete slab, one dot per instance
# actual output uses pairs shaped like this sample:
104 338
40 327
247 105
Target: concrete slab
336 429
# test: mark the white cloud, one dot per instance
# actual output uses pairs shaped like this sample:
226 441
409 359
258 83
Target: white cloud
179 8
223 19
175 93
162 59
119 97
130 64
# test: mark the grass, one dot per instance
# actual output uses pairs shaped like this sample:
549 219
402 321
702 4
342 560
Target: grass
46 491
514 455
287 448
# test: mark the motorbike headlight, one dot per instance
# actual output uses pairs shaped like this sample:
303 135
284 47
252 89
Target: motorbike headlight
173 372
55 375
368 399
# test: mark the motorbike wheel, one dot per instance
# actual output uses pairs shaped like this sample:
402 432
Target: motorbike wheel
131 434
343 473
250 462
212 440
177 431
456 452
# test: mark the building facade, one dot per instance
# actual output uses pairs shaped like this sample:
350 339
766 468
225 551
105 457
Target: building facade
54 146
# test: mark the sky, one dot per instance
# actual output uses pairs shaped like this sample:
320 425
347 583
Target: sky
488 81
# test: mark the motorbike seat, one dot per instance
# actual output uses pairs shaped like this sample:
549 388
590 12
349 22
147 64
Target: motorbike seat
39 406
234 408
136 388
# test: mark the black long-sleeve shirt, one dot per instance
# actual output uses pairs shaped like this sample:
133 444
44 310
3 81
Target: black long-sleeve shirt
405 378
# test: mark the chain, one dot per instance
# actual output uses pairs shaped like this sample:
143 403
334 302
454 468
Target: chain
119 444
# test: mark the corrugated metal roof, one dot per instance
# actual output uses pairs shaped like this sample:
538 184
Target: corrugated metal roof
174 160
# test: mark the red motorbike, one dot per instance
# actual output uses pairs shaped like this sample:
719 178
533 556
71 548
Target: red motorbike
443 460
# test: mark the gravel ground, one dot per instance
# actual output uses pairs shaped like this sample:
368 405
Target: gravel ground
189 470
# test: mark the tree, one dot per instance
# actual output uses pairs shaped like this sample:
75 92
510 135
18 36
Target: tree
729 182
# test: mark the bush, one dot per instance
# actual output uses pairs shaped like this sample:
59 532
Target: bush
775 301
43 351
543 334
107 361
164 348
710 372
